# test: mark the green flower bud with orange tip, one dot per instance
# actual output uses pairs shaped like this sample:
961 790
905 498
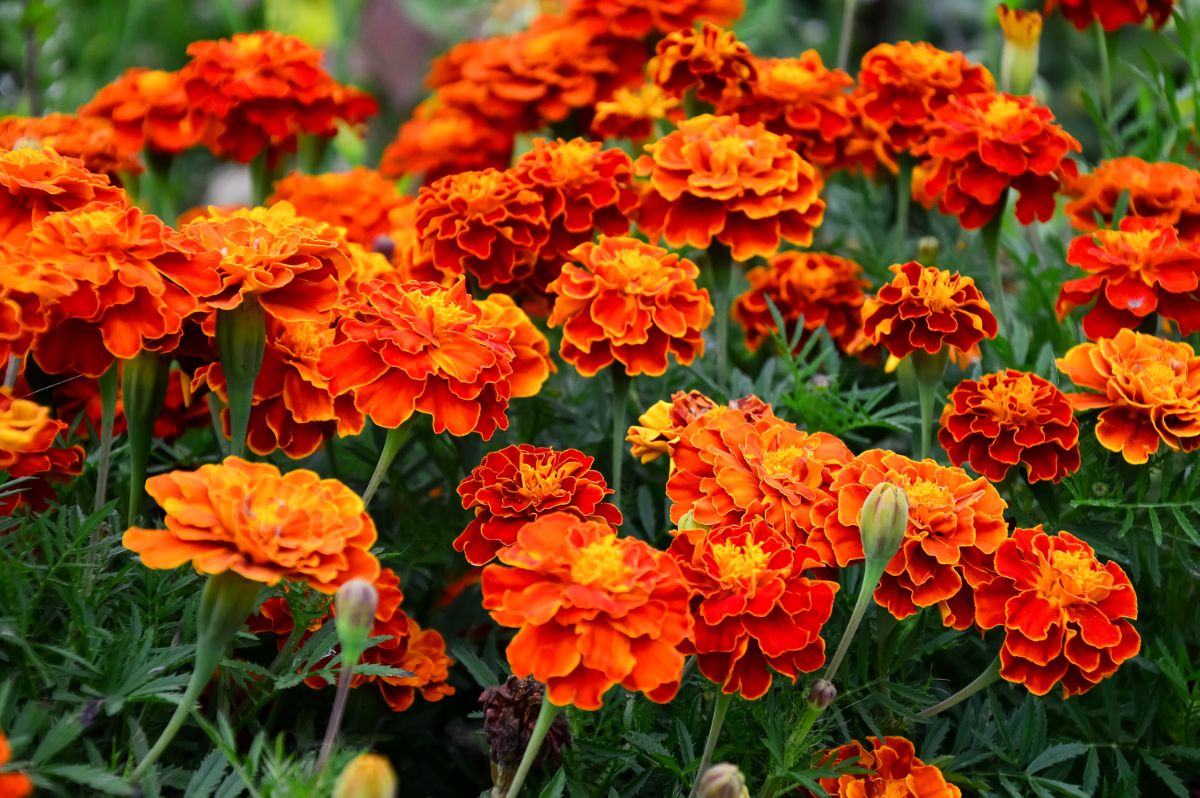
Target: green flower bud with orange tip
723 780
883 519
354 609
1019 59
367 776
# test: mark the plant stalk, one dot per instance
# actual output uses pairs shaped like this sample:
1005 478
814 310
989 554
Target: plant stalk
847 32
620 398
242 342
720 708
345 677
545 718
720 263
143 388
984 680
990 235
108 417
395 440
872 573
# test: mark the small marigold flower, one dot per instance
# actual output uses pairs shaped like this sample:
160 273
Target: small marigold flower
266 526
1064 612
661 425
409 347
629 302
12 785
148 108
1113 14
639 18
593 610
1168 191
949 513
421 652
1132 273
1146 388
93 141
981 145
820 289
37 182
360 201
367 776
892 769
634 113
1011 418
27 450
754 609
714 178
441 140
531 365
1019 59
711 60
516 485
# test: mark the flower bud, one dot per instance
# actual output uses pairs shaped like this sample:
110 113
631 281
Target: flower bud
354 609
883 521
822 694
723 780
928 249
367 776
1019 61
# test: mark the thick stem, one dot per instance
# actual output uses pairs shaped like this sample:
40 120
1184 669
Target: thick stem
620 398
262 175
241 341
903 197
391 447
1106 89
984 680
32 80
925 395
928 370
720 708
339 707
847 32
720 264
143 389
990 235
108 417
871 575
545 718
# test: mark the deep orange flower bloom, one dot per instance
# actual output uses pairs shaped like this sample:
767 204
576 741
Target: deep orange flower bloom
629 302
275 615
639 18
27 449
147 108
267 527
949 513
825 290
1010 418
136 282
710 60
517 485
12 785
93 141
1113 14
1063 612
421 652
360 201
1147 390
402 348
1134 272
731 466
27 289
713 177
659 428
38 182
924 307
1163 190
441 140
488 224
633 113
531 365
893 770
593 610
754 609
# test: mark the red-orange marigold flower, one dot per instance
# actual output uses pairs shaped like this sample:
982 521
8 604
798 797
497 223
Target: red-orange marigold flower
359 201
1133 273
983 144
520 483
711 60
28 452
639 18
1011 418
37 182
893 769
630 302
27 289
441 140
633 113
1164 190
531 365
949 513
12 785
659 428
1113 14
593 610
267 527
1063 612
408 347
93 141
1147 390
924 307
713 177
822 289
754 609
147 108
420 652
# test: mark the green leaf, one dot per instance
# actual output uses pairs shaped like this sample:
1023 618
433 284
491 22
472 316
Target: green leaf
1055 754
480 672
91 777
1165 775
555 787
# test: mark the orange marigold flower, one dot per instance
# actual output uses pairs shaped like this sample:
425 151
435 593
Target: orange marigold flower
37 182
1020 28
402 348
92 140
893 769
27 452
260 90
754 609
441 140
593 610
713 177
531 365
27 289
517 485
267 527
12 785
711 60
661 425
949 513
359 201
639 18
148 108
633 113
1132 273
1147 390
731 465
924 307
1168 191
410 261
1113 14
630 302
420 652
1010 418
821 289
1063 612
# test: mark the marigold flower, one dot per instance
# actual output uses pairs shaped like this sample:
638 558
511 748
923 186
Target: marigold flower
1132 273
267 527
629 302
148 108
633 113
1019 59
359 201
1168 191
1063 612
639 18
402 348
92 140
711 60
37 182
27 450
949 513
183 408
12 785
754 609
661 425
1011 418
517 485
892 769
441 140
531 365
1147 390
1113 14
924 307
27 289
820 289
713 177
421 652
593 610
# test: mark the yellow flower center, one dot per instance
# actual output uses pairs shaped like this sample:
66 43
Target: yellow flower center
727 152
791 73
155 82
781 462
1137 245
894 788
927 494
574 162
937 288
740 565
1002 112
539 481
601 563
634 268
438 310
1011 401
306 339
1078 575
648 102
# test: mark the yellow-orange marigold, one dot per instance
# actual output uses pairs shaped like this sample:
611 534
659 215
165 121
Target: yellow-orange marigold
662 423
927 308
639 18
360 201
92 140
1163 190
147 108
711 60
532 364
37 182
27 289
28 452
634 113
892 769
441 140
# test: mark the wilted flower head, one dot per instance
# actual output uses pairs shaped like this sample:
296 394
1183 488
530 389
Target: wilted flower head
510 711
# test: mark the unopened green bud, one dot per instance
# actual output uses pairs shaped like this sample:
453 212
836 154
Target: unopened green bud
354 606
928 249
883 521
723 780
1019 59
822 694
367 776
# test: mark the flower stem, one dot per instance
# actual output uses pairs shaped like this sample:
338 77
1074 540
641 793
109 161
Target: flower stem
108 417
984 680
13 371
720 265
925 398
990 235
720 708
929 370
143 388
241 341
903 197
847 33
545 718
871 575
395 440
620 397
262 175
1106 86
791 749
349 661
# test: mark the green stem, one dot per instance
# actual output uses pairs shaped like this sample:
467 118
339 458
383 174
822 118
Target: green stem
903 197
720 264
984 680
620 398
143 388
262 176
108 417
159 195
925 395
396 438
847 33
1106 89
345 677
545 718
773 786
928 370
872 573
241 341
13 371
720 708
990 235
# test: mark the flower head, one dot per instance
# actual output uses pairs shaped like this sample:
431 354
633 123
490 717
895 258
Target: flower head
639 18
37 182
28 450
1113 14
892 769
710 60
924 307
1007 419
714 178
92 140
12 785
531 364
593 610
1164 190
634 113
441 140
28 289
148 108
510 713
360 201
659 428
419 652
1064 612
1146 388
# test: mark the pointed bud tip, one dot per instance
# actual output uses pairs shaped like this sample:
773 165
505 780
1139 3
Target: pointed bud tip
723 780
883 520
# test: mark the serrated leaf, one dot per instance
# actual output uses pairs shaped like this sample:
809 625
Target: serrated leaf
90 777
480 672
1165 775
1055 754
556 786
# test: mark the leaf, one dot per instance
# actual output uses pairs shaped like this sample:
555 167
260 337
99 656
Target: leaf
480 672
555 787
1165 775
91 777
1091 772
65 732
1055 754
